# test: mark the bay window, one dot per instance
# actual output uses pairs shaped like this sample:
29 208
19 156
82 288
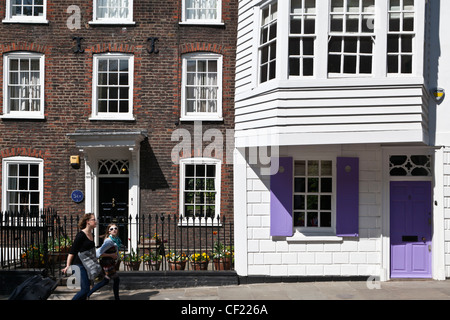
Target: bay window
339 39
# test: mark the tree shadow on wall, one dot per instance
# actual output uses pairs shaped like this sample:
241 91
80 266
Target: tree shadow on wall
151 174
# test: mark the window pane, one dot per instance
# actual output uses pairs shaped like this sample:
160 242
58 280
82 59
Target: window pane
313 168
308 46
312 202
313 185
296 25
308 67
325 202
300 168
299 219
300 185
326 185
365 65
325 219
393 64
406 64
334 64
299 202
312 219
310 25
349 64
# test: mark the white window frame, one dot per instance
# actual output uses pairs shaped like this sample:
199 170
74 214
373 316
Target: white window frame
202 116
302 37
10 18
96 115
268 44
217 21
314 231
346 35
7 113
5 175
399 34
115 21
200 221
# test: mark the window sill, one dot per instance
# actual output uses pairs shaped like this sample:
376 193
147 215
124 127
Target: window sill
112 23
22 117
201 118
201 23
199 222
314 237
106 118
18 21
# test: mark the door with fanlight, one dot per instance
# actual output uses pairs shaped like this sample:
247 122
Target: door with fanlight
113 195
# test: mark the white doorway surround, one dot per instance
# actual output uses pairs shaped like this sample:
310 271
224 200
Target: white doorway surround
98 145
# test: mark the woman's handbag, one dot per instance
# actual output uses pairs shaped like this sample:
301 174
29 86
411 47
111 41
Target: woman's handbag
90 263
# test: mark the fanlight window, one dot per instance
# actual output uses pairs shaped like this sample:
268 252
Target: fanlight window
113 167
410 165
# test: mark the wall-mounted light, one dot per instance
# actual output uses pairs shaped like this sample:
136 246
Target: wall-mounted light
438 94
75 161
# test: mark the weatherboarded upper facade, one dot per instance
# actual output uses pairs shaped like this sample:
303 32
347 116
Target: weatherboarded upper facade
341 146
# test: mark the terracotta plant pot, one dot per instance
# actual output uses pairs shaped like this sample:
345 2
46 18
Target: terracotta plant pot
203 265
180 265
222 264
152 265
132 266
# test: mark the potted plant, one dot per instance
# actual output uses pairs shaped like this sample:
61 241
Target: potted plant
132 261
153 240
177 260
152 260
32 257
59 248
222 256
199 261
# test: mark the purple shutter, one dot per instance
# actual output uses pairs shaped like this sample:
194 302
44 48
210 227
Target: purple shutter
347 197
281 195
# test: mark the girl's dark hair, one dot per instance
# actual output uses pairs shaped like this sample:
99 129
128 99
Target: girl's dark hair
84 220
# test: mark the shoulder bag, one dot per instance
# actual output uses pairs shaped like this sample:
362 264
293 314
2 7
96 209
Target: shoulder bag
90 263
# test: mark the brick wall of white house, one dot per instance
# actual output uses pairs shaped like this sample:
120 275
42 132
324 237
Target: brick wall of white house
346 257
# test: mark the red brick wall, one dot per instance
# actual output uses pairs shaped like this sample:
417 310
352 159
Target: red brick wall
157 84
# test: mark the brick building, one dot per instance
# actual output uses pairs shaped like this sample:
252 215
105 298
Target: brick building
120 85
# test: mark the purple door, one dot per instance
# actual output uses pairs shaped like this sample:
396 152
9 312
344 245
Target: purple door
411 218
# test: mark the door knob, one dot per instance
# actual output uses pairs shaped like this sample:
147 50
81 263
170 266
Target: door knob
424 239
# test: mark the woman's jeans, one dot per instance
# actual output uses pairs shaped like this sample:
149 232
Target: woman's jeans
104 282
85 284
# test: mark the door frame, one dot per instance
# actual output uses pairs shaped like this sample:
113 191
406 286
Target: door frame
92 158
429 229
437 207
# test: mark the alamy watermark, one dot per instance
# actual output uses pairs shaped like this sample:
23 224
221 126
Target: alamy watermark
217 144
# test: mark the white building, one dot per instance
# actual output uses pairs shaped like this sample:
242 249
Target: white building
343 92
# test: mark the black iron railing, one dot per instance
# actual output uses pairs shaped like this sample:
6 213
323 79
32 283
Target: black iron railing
150 242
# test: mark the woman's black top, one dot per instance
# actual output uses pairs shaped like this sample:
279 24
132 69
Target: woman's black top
80 244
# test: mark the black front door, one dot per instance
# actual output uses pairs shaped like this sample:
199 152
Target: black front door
113 202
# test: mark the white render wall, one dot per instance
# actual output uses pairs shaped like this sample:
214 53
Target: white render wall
347 257
447 210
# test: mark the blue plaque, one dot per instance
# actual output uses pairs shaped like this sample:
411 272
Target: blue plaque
77 196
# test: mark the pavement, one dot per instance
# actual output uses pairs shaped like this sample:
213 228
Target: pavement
338 290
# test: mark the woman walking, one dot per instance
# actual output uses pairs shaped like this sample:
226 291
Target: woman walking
84 241
108 254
